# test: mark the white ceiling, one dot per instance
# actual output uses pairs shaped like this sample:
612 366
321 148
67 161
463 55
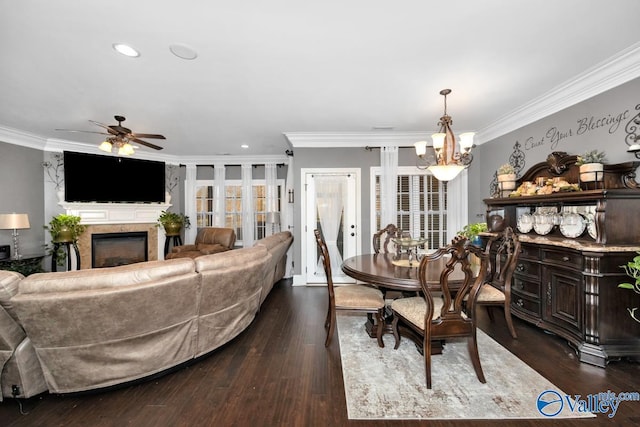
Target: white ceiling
266 68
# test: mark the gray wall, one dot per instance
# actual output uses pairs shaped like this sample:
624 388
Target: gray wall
597 123
22 191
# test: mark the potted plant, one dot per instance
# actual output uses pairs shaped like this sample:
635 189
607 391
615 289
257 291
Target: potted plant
64 228
472 231
632 268
173 222
591 165
506 178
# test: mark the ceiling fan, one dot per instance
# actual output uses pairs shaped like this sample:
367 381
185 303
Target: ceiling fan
120 137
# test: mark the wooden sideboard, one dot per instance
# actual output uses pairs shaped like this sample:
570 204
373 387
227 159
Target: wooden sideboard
569 285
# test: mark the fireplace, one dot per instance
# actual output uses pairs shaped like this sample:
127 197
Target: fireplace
113 249
118 218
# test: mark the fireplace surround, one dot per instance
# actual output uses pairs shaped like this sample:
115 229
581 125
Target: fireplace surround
101 218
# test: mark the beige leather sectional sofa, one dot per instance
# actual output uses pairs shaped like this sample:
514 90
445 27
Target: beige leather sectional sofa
88 329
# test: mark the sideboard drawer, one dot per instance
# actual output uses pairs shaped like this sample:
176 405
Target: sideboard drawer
530 252
527 268
525 305
522 286
569 259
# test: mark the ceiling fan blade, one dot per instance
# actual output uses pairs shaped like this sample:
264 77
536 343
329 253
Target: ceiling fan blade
145 143
102 125
147 135
83 131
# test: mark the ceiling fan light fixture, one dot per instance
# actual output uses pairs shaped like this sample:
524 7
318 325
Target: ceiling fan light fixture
126 149
106 146
126 50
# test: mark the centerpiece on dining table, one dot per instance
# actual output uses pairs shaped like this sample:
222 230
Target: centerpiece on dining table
410 246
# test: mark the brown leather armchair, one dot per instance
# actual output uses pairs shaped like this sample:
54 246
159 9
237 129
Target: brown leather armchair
209 240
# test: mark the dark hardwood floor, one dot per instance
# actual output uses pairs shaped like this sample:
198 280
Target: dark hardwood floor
278 373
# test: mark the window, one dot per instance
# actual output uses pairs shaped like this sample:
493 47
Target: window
233 206
421 205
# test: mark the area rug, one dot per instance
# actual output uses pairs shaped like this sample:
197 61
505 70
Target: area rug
383 383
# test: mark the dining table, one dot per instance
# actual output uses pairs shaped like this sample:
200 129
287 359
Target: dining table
386 272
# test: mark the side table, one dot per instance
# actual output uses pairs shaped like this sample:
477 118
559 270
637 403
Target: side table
26 265
177 241
67 246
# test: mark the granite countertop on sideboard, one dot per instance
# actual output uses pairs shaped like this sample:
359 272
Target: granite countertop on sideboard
579 245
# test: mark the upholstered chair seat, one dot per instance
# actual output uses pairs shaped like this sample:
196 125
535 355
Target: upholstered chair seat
489 293
414 309
359 296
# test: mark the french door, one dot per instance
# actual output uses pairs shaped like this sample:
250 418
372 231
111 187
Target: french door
332 204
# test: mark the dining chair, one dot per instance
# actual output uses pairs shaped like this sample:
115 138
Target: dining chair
382 238
436 317
357 298
503 250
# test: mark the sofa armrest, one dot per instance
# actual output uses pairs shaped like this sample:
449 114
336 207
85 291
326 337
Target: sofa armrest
184 248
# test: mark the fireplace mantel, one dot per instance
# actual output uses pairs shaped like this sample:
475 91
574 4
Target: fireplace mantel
115 213
120 213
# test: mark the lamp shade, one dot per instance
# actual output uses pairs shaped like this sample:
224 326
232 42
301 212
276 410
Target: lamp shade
105 146
273 217
421 148
14 221
466 141
438 140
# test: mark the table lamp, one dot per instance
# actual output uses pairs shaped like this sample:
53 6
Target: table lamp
273 218
15 222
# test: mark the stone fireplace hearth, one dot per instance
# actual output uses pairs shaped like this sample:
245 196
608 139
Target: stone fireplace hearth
119 218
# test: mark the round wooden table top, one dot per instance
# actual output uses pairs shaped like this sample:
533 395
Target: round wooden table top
380 270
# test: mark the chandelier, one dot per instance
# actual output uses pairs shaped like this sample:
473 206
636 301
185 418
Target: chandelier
117 144
449 163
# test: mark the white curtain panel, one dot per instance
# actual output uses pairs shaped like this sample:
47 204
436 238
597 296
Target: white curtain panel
219 175
331 193
247 206
190 208
271 181
457 204
388 185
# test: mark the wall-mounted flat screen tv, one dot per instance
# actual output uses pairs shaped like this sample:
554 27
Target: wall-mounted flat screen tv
96 178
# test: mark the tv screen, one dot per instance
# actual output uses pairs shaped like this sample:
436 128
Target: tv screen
96 178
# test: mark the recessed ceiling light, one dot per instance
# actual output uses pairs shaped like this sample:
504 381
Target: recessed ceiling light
183 51
382 128
126 50
245 146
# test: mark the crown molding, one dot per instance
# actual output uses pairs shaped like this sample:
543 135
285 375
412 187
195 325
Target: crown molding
618 69
19 137
234 160
355 139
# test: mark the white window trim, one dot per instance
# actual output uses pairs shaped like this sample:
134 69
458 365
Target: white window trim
457 190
